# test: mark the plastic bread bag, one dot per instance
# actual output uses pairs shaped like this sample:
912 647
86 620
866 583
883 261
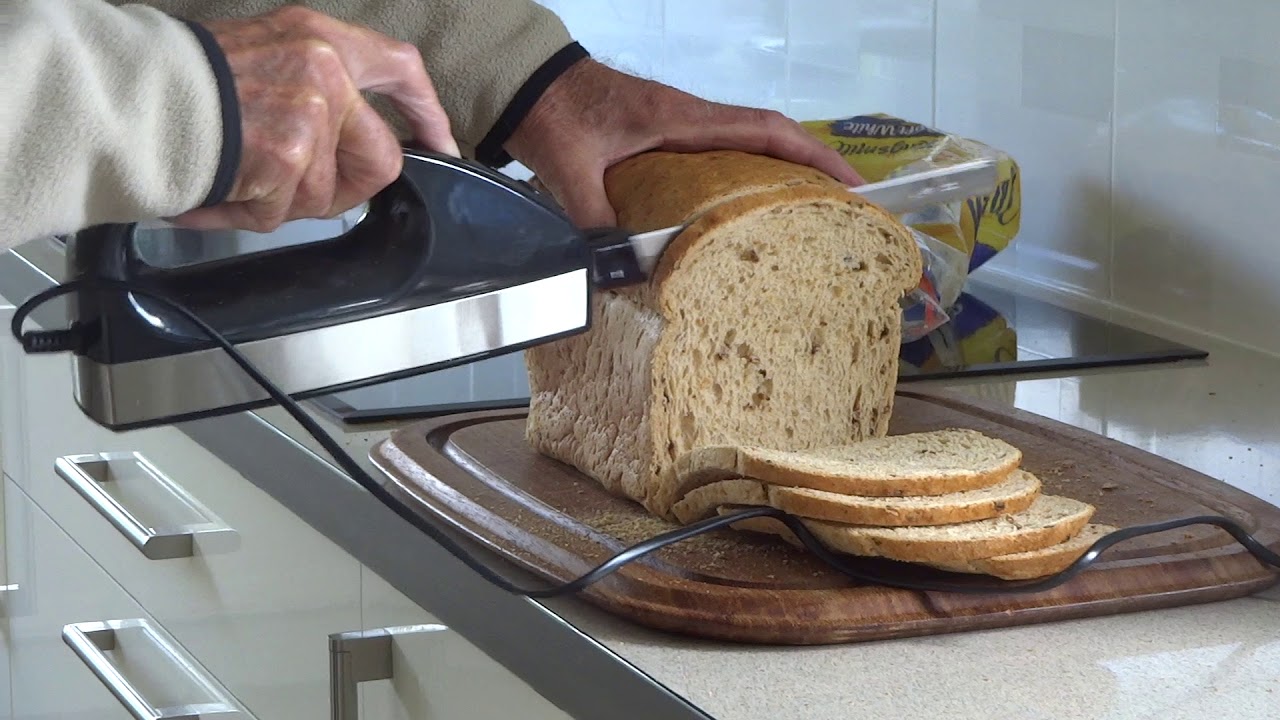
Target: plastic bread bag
955 238
924 309
977 334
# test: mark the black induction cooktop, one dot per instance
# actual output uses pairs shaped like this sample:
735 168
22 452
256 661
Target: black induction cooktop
991 332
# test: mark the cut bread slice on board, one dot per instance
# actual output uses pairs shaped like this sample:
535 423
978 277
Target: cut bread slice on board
1050 520
1033 563
928 463
1014 494
702 502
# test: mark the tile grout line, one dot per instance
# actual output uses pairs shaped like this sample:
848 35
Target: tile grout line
933 73
1111 179
787 61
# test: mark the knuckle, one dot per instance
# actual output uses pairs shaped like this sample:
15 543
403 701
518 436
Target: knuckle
311 107
293 16
407 54
771 118
293 153
319 56
298 16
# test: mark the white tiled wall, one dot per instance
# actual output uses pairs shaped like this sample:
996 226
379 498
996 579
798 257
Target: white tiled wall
1148 130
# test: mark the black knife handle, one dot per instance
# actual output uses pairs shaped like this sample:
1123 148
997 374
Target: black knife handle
613 259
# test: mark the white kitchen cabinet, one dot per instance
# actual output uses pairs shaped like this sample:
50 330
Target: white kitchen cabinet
413 668
7 589
10 437
254 592
13 424
12 428
121 652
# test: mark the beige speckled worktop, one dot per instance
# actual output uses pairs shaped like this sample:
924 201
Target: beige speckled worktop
1213 661
1218 660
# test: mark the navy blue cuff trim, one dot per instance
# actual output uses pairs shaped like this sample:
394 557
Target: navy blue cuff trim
232 139
490 151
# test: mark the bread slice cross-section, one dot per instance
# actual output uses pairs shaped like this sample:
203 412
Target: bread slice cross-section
1015 494
771 320
1012 495
927 463
1033 563
1049 521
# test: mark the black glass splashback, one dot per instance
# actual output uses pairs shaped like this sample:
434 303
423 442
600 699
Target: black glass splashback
992 332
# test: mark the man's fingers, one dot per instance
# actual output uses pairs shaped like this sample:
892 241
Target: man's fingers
368 157
392 68
581 192
227 215
763 132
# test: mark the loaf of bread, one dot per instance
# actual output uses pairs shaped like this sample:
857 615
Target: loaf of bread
771 321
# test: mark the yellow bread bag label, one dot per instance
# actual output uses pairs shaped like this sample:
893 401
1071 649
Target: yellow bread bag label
881 146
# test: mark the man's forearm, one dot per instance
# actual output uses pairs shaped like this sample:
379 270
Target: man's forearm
110 114
490 59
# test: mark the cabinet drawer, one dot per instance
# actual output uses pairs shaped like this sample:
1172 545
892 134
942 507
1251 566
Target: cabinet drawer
63 597
431 672
12 425
253 591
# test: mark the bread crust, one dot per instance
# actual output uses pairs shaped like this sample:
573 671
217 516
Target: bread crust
659 189
1035 563
596 397
894 544
904 512
733 210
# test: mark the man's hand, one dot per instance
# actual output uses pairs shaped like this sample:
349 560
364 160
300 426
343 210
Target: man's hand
593 116
312 146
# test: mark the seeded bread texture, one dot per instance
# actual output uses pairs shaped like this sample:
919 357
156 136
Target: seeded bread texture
927 463
1033 563
702 502
1012 495
1049 521
772 320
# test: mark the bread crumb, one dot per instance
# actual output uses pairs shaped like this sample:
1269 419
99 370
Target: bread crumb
1109 486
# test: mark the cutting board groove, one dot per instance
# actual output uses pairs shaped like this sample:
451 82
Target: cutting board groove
476 473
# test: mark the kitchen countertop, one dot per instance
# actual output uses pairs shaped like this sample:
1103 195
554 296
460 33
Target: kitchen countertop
1218 417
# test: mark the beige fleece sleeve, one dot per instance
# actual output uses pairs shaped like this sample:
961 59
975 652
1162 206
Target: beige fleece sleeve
109 114
480 53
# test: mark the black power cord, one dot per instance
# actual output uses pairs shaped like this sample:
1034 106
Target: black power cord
72 338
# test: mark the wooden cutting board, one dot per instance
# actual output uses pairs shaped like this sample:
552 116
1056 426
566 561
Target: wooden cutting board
476 473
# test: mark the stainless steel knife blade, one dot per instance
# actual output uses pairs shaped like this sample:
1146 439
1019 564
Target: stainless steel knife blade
900 195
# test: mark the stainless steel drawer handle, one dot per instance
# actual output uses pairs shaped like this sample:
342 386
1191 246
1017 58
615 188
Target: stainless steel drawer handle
130 473
92 641
362 656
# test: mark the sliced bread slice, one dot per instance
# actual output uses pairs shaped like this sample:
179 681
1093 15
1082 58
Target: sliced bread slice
927 463
702 502
1015 494
1050 520
1012 495
1033 563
